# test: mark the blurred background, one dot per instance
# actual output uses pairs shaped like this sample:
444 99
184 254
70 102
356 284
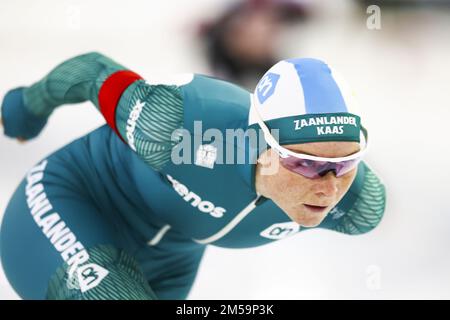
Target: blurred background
397 59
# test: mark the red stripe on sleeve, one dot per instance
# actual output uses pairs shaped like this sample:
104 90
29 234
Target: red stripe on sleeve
110 93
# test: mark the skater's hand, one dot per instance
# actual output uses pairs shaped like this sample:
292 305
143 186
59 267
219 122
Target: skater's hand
20 139
16 120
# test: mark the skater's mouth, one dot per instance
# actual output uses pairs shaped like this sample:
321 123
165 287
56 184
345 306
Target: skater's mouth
314 208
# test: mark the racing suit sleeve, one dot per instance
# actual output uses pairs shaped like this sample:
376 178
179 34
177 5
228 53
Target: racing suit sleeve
75 80
362 208
119 94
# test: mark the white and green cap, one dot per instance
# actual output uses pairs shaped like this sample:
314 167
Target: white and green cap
306 101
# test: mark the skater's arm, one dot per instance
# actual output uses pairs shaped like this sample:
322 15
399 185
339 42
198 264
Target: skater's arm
144 114
76 80
25 110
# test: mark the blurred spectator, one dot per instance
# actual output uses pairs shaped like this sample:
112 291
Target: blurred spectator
240 44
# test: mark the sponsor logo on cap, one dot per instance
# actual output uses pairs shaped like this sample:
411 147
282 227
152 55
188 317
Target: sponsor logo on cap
266 86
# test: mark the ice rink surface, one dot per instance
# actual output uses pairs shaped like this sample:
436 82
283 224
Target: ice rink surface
400 74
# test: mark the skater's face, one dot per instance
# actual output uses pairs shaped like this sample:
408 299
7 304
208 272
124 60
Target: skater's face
306 201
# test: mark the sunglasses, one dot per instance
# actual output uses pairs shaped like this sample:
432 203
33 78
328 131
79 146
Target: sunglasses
314 167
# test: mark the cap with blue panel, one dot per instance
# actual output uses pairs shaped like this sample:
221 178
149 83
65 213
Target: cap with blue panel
306 101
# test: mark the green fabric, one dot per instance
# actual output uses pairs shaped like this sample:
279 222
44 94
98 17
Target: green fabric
317 127
368 209
79 79
162 113
124 281
76 80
